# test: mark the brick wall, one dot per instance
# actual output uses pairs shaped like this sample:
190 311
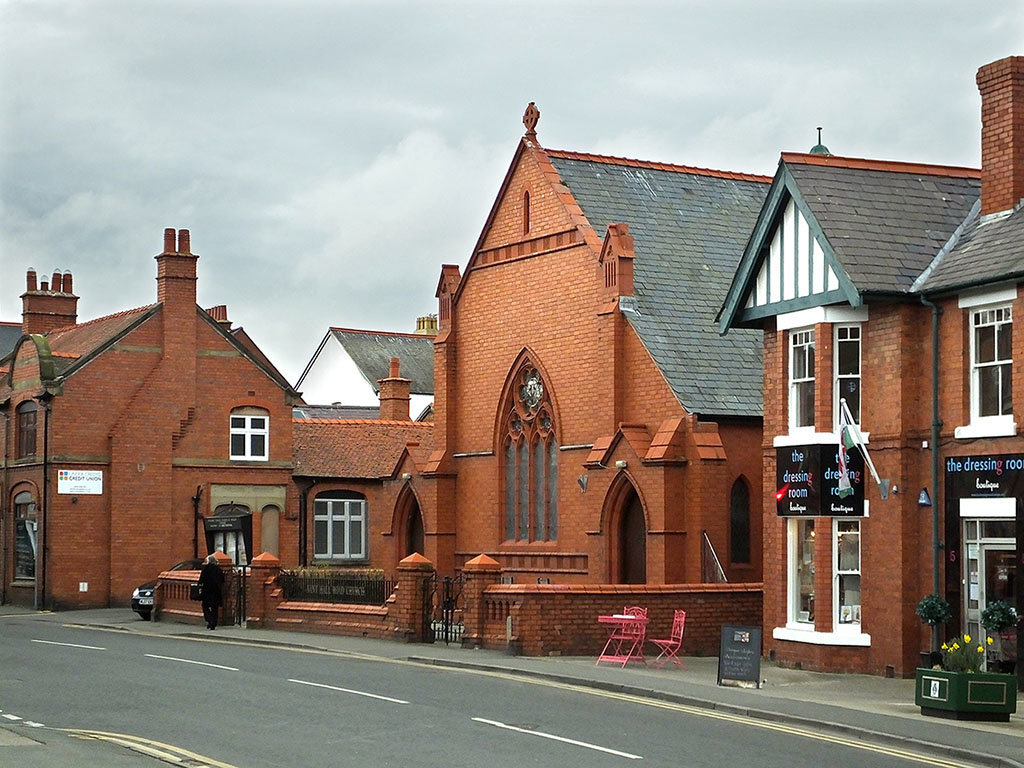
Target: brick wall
562 619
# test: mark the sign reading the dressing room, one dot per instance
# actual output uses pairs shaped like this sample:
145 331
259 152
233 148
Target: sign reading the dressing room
807 482
82 482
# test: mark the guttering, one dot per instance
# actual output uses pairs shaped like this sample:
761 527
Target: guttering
936 426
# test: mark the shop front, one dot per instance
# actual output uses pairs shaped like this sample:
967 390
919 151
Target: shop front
984 532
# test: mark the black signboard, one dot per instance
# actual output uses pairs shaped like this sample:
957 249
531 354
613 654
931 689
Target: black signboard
807 482
739 658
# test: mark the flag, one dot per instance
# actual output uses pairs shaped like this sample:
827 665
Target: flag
846 442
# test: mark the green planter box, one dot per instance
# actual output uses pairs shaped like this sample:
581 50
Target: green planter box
966 695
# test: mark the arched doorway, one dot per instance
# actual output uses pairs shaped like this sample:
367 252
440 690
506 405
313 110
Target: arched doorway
413 530
270 527
632 541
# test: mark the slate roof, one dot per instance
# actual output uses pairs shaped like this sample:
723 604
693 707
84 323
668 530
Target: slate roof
372 351
988 250
9 335
689 228
357 448
885 221
336 412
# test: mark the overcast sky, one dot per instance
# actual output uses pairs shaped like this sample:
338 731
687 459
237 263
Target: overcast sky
329 156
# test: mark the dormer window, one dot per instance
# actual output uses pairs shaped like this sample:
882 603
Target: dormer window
250 434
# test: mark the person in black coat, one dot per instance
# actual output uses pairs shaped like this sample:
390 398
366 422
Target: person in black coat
211 581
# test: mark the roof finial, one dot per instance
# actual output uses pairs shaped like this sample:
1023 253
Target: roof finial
530 118
819 148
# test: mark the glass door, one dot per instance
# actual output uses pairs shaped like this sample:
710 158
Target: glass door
990 570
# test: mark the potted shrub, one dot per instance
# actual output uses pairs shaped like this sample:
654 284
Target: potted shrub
1000 619
934 611
960 690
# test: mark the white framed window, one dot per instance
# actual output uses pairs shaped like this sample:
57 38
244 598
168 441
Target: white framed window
847 384
250 434
801 571
339 526
991 362
801 379
846 574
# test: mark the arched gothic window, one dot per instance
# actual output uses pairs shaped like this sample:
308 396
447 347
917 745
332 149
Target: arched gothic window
530 460
739 523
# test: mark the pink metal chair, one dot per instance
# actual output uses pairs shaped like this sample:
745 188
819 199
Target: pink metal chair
670 646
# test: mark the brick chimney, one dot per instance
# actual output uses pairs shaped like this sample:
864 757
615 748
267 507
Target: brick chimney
426 325
1002 134
220 314
394 395
176 271
176 292
48 305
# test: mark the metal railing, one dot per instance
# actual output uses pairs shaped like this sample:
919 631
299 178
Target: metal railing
336 587
710 566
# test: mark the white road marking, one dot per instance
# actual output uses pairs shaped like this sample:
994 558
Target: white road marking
11 717
616 752
189 661
34 724
71 645
348 690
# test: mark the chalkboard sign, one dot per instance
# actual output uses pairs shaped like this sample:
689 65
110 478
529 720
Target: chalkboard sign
739 658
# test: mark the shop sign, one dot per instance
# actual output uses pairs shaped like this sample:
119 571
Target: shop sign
997 476
807 482
81 482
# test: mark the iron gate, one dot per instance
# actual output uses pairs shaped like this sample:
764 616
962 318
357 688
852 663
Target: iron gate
442 609
240 598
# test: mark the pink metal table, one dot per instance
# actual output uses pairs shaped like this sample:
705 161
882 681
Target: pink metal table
625 639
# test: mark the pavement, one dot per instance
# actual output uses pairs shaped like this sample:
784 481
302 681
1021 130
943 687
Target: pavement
874 709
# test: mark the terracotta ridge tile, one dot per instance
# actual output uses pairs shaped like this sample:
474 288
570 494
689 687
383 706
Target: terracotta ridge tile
896 166
360 421
613 160
12 324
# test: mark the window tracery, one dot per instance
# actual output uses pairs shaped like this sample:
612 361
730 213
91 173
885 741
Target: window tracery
530 455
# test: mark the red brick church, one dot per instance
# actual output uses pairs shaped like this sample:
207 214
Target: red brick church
590 425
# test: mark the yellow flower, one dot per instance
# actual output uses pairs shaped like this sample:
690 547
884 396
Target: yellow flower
956 646
945 647
989 641
967 638
980 649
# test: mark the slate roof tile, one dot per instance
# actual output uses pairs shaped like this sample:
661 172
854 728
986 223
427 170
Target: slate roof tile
886 224
690 227
372 351
989 250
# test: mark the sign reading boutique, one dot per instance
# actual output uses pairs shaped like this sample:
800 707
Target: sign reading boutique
807 482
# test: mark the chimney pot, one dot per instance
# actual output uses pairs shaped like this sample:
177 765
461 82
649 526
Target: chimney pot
67 286
43 285
168 240
30 280
183 241
394 372
57 282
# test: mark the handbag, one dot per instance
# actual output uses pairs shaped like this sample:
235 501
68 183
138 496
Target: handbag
195 591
